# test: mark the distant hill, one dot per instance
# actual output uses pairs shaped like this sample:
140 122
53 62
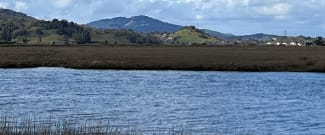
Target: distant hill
19 28
258 37
189 35
145 24
226 36
142 24
7 15
219 34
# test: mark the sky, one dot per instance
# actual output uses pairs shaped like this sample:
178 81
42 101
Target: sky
240 17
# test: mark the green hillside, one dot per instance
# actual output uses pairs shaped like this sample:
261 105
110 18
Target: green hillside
18 28
191 35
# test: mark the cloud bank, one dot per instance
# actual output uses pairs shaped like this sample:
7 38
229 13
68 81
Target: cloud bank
231 16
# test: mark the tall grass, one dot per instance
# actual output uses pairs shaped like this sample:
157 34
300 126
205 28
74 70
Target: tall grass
34 127
297 59
48 127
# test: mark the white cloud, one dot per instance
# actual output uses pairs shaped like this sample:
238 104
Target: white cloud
21 6
63 3
277 9
3 4
199 17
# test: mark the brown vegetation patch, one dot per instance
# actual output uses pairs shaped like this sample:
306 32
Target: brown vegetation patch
166 58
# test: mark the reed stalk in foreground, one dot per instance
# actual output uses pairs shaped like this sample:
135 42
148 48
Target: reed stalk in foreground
33 127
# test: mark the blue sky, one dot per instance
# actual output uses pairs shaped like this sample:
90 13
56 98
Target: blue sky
298 17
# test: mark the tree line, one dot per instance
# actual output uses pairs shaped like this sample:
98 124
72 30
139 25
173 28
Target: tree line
11 30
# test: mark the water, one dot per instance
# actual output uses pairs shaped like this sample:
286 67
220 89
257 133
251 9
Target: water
203 102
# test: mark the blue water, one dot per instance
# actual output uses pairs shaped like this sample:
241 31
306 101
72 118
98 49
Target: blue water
203 102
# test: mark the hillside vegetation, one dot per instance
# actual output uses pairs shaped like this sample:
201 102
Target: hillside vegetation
18 28
142 24
190 35
300 59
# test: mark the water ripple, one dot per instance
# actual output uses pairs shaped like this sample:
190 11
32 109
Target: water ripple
203 102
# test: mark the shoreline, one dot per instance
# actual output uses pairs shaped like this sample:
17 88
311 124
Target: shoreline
184 58
182 70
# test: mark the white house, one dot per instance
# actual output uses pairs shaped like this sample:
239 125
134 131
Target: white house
293 44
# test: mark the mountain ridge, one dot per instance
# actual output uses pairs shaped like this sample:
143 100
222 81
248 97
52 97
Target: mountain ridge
19 28
145 24
141 24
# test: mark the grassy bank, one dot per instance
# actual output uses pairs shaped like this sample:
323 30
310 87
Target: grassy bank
301 59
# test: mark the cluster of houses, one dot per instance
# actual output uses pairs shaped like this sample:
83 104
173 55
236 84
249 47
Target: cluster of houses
290 42
275 41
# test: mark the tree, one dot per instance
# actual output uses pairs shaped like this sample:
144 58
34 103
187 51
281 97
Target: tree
319 41
83 37
6 34
25 41
66 40
39 32
87 37
21 34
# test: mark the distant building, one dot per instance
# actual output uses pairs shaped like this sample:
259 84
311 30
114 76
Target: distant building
269 43
278 43
293 44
